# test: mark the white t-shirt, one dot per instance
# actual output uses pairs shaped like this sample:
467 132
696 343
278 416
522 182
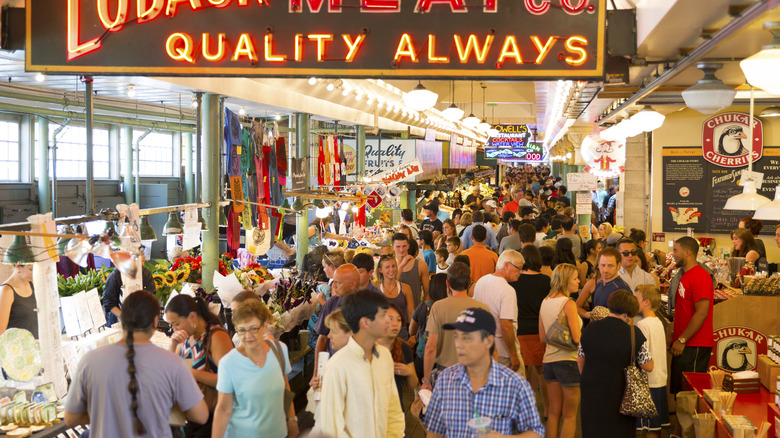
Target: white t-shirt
501 300
653 329
636 278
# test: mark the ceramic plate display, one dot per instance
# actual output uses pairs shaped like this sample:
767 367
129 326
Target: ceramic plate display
20 355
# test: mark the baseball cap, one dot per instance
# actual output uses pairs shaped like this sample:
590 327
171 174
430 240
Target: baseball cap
432 206
473 319
491 204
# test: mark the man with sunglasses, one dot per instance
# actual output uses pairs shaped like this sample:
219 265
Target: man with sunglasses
495 292
629 270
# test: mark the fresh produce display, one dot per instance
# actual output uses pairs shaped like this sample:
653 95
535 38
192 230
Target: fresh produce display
20 418
83 282
762 286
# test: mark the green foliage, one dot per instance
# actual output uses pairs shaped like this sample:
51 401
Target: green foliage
83 282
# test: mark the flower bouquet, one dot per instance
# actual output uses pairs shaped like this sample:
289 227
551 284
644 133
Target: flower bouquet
253 277
291 302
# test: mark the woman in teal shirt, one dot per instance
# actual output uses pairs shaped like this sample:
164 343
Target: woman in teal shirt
251 394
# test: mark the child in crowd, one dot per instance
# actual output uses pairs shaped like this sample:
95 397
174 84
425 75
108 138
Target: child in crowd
453 249
653 328
425 239
441 260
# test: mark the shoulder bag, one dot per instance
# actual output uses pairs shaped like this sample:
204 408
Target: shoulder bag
559 334
289 396
210 394
636 397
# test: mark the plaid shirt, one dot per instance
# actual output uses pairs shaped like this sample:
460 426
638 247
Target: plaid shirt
507 399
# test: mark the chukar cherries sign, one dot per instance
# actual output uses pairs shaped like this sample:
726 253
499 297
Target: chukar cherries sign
725 140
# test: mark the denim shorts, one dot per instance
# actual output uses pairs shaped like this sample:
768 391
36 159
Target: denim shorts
564 372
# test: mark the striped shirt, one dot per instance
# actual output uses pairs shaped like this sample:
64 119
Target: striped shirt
196 351
506 398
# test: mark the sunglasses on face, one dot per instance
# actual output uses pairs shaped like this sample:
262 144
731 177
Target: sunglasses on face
628 253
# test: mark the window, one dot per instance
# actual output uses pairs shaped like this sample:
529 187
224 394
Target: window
157 155
72 152
9 151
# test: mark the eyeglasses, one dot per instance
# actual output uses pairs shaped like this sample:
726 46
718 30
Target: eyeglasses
628 253
252 330
515 266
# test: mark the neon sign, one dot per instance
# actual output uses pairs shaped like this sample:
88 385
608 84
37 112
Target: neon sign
533 152
401 38
510 136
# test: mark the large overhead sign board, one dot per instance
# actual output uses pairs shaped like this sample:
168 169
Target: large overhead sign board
532 153
510 136
540 39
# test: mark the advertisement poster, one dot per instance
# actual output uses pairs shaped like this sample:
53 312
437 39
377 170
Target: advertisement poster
695 190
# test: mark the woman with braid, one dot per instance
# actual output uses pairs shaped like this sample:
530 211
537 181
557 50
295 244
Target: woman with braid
198 338
134 403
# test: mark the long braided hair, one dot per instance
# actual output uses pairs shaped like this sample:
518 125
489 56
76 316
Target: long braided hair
138 315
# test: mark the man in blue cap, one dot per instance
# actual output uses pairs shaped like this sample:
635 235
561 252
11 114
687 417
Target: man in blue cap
480 388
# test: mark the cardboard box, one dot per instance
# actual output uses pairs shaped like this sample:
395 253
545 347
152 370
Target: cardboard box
768 372
741 386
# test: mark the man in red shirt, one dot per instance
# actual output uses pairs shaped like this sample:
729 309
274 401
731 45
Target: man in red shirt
513 205
694 297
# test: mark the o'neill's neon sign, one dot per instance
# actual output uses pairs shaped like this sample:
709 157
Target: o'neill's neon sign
420 38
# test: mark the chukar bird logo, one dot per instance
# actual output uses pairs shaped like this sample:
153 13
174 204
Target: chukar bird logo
730 141
735 356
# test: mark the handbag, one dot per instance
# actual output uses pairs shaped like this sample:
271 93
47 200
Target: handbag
210 394
636 397
289 396
559 334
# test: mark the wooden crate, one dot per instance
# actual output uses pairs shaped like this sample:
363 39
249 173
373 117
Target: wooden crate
741 386
768 372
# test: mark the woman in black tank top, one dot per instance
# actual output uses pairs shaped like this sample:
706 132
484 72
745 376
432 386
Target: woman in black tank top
18 308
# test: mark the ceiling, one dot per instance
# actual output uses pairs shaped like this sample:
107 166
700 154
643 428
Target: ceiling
672 31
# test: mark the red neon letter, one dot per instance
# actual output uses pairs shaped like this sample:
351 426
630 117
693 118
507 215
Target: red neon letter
537 10
381 6
74 48
405 49
148 14
173 6
510 50
179 47
220 47
491 6
583 55
353 46
245 47
472 45
573 10
315 5
219 3
121 15
432 58
425 5
321 39
269 49
543 49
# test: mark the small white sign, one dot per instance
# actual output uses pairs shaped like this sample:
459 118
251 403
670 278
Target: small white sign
95 308
68 305
584 203
82 311
747 175
576 182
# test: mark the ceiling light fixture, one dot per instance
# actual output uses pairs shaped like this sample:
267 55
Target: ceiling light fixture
648 119
471 121
312 80
330 86
130 90
749 199
483 125
40 77
772 111
452 112
761 69
709 94
241 111
420 98
771 210
278 117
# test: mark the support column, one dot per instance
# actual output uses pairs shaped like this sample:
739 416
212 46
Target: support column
42 170
302 222
189 182
126 139
199 145
211 134
88 117
360 153
635 209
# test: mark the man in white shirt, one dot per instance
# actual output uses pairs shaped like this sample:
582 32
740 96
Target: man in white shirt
359 395
629 270
495 292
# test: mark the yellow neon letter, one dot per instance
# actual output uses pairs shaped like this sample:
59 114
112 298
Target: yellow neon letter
472 45
321 39
148 14
543 50
269 49
432 58
220 47
405 49
173 6
219 3
298 46
510 50
74 48
121 15
583 55
245 47
353 46
179 47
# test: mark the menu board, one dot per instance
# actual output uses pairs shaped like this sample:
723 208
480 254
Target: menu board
695 190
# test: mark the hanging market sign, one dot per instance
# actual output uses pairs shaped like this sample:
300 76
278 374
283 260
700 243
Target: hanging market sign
540 39
400 173
725 140
605 159
510 136
533 153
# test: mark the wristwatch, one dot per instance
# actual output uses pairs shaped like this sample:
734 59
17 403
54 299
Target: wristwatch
295 418
681 340
425 382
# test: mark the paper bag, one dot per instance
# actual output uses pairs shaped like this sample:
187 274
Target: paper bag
686 409
704 425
